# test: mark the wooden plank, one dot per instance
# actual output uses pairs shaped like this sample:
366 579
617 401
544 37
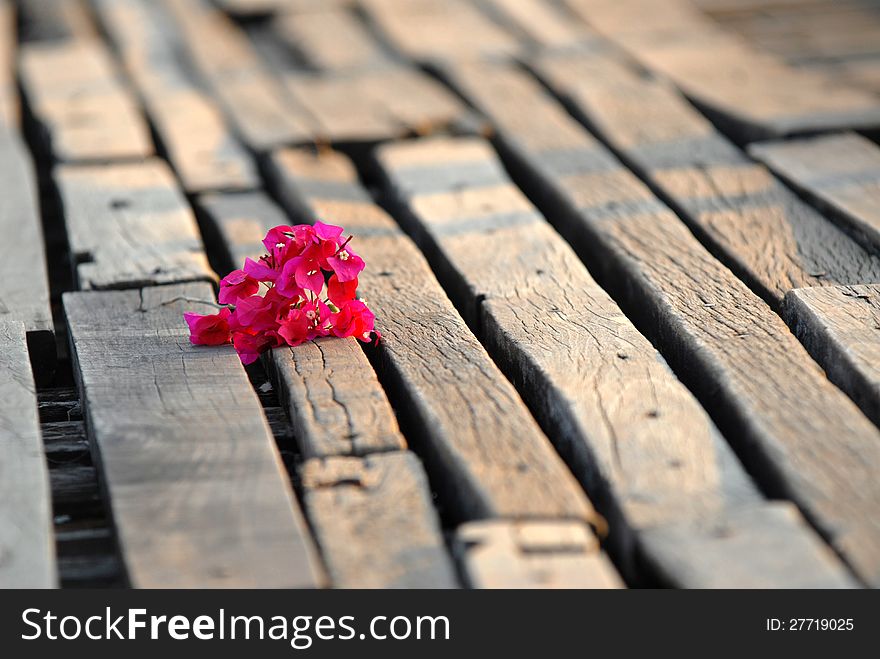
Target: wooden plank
437 30
261 113
839 173
536 554
129 225
486 454
352 46
754 94
10 114
799 434
85 112
27 545
377 105
375 522
54 20
601 387
840 326
769 236
192 131
540 23
251 9
196 487
24 284
780 549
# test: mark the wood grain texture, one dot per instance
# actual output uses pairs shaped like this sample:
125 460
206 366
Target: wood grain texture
192 130
437 30
464 418
336 404
198 494
839 173
537 554
24 284
376 105
352 46
261 113
840 326
27 546
375 523
636 438
84 110
802 436
129 225
769 236
755 95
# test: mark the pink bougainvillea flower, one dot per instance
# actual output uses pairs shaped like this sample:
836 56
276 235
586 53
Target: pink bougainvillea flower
236 285
210 330
310 275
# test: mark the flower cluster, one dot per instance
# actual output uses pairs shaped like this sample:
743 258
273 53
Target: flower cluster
304 287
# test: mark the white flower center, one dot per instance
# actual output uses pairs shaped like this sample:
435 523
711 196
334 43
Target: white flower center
343 255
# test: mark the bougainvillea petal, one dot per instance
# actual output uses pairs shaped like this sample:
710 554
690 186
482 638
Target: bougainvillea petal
208 330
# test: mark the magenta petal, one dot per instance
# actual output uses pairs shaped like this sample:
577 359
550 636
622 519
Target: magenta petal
327 231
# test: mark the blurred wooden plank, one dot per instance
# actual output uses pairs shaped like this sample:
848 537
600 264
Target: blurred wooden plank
56 20
463 417
192 131
540 23
261 113
24 283
533 554
839 173
377 105
840 326
198 494
437 30
804 438
9 106
352 46
771 238
27 545
85 112
375 522
753 94
129 225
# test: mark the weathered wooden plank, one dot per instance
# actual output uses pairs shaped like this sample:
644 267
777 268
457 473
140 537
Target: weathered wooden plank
377 105
375 522
85 112
191 129
128 225
775 538
250 9
351 47
769 236
461 415
198 494
54 20
755 95
540 23
9 108
27 548
840 326
261 113
840 173
630 430
536 554
432 30
801 435
24 284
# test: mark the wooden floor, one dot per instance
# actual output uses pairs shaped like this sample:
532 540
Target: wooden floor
624 256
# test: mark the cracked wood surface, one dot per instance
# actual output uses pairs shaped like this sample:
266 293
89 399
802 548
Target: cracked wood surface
799 433
85 112
27 546
375 522
839 173
129 225
485 452
754 94
202 150
197 491
770 237
840 326
635 436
